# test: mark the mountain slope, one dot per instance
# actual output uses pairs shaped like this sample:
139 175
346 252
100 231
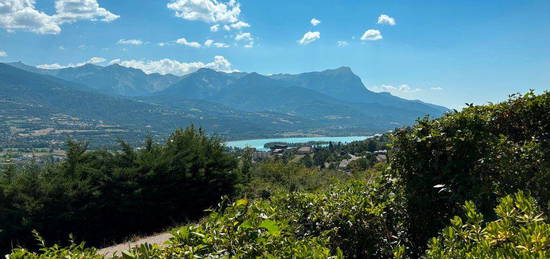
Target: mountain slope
27 98
113 80
343 84
202 84
335 97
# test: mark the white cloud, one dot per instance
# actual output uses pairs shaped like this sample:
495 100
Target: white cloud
22 15
243 36
184 41
386 19
69 11
61 47
215 27
239 25
208 43
169 66
212 43
342 43
130 42
372 35
403 90
315 22
210 11
220 45
114 61
94 60
436 88
309 37
3 53
227 27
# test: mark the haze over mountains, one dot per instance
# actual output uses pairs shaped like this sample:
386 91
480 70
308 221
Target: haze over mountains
234 105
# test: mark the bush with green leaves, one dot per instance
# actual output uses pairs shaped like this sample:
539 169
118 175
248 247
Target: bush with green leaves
481 153
520 231
243 229
350 219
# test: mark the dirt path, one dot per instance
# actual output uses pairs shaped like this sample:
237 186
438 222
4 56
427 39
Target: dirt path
155 239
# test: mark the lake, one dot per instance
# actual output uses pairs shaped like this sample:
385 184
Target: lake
258 144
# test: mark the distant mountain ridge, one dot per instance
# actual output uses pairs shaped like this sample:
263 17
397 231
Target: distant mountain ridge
330 102
38 97
113 79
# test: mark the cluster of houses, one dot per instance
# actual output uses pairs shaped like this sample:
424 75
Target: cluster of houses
279 150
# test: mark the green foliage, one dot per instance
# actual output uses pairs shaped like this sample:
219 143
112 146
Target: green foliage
242 230
268 178
362 164
353 220
76 251
99 195
362 219
480 154
521 231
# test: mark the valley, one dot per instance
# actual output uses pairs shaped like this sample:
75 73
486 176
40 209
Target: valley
43 108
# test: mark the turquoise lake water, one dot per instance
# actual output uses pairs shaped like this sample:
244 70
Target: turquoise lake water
258 144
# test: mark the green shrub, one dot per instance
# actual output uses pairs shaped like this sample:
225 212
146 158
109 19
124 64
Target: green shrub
362 219
242 230
351 219
76 251
480 154
521 231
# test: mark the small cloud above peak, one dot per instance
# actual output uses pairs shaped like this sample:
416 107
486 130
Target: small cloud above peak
386 19
315 22
309 37
372 35
184 41
342 43
175 67
93 61
130 42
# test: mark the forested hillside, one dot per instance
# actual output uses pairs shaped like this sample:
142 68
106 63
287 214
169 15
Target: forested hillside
472 184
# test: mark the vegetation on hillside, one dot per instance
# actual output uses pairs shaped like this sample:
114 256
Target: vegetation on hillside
473 184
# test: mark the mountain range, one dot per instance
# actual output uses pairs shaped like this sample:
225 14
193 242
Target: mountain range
233 105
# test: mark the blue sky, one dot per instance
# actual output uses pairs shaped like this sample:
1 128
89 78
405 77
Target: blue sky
443 52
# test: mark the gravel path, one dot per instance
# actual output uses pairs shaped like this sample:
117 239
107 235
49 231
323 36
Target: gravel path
155 239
